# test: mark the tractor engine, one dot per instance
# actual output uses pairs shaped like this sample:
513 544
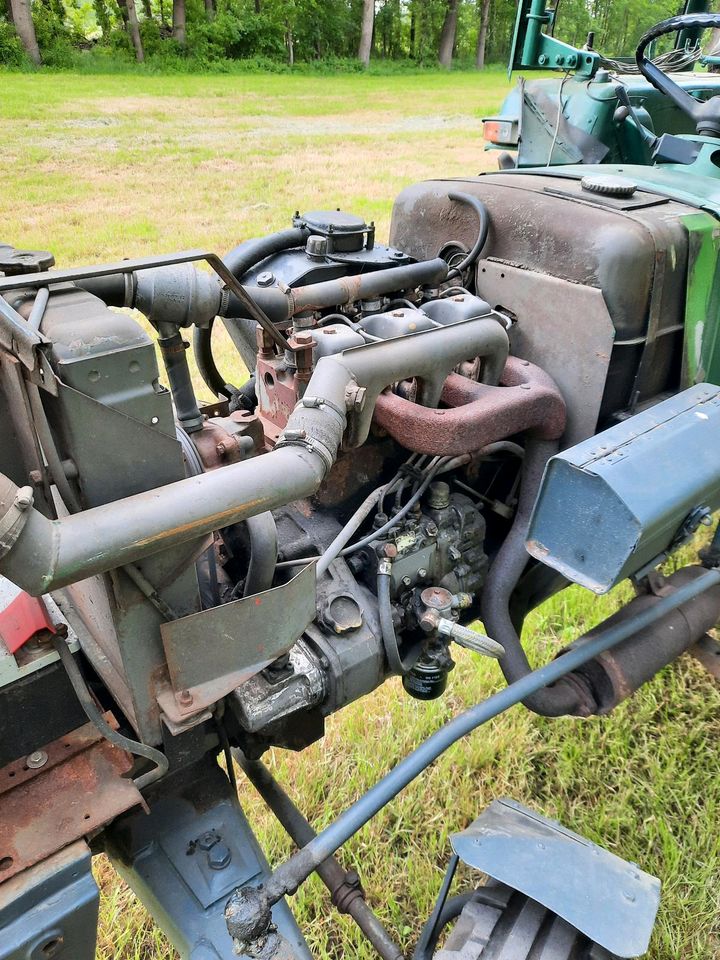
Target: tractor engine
188 570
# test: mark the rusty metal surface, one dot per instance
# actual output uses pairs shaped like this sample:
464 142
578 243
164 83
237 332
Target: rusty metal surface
238 640
80 787
707 652
476 414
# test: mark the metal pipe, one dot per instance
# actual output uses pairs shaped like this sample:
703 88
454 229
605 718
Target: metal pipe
474 414
617 674
282 305
53 553
335 878
50 554
288 877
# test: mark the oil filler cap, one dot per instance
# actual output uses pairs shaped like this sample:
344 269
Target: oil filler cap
609 185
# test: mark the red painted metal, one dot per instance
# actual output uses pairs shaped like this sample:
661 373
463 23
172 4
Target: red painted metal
474 415
22 619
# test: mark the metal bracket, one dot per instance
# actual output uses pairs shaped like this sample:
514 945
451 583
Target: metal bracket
611 901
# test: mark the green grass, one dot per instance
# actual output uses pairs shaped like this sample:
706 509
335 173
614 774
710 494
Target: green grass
99 167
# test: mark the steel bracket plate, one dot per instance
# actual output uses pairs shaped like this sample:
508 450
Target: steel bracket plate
80 786
611 901
212 652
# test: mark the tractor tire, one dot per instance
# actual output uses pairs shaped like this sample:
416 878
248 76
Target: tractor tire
498 923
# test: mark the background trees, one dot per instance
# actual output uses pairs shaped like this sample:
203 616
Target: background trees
210 31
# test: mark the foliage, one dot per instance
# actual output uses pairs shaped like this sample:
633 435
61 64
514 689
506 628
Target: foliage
11 51
273 32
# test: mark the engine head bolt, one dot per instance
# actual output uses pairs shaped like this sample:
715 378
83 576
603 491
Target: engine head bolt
36 760
406 582
422 573
185 698
265 279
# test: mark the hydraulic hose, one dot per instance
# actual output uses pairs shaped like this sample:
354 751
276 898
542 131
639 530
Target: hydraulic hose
504 575
288 877
483 229
398 664
262 531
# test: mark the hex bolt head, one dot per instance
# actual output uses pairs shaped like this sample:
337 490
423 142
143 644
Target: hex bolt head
219 856
36 760
265 279
185 698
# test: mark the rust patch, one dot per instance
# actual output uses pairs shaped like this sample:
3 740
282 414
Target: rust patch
82 786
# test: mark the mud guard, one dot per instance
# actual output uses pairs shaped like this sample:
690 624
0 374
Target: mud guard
610 901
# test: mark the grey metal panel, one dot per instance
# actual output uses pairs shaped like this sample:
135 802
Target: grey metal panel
614 503
237 639
51 909
564 328
185 883
611 901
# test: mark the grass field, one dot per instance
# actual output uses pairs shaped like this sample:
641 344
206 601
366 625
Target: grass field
97 168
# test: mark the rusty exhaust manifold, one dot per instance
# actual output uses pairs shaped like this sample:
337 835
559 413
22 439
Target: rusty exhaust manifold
476 414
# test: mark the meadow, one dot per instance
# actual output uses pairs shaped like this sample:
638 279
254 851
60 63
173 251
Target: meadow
96 168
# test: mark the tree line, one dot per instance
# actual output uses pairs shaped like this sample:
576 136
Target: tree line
207 31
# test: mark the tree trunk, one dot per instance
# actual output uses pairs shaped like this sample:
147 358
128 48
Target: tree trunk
482 34
366 31
22 18
447 35
128 12
290 43
210 9
178 27
147 9
257 6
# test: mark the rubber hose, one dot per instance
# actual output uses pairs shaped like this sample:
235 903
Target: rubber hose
398 664
263 553
483 228
504 575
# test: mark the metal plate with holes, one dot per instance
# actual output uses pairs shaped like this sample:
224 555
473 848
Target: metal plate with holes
225 645
76 784
563 327
611 901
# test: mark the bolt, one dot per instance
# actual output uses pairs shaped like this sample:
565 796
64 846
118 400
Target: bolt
390 550
303 339
36 760
265 279
184 698
219 856
221 449
24 498
406 582
422 573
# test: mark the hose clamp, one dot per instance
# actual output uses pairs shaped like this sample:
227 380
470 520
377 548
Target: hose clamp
13 521
316 403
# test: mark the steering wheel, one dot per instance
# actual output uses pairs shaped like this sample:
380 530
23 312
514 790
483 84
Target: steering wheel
704 114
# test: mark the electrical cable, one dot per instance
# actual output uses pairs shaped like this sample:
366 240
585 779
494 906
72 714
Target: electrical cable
94 715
